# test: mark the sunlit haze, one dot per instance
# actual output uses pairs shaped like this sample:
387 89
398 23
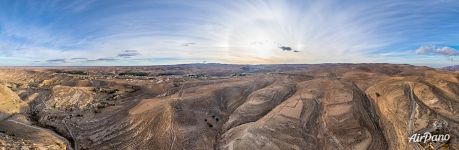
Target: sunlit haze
88 32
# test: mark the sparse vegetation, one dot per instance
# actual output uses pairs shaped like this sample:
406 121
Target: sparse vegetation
73 72
133 74
171 73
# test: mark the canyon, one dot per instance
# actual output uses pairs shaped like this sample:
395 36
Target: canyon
222 106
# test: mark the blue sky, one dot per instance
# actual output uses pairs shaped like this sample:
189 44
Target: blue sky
154 32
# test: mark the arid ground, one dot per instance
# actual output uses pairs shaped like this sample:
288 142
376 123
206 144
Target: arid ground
218 106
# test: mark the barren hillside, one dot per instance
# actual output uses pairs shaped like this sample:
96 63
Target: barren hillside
216 106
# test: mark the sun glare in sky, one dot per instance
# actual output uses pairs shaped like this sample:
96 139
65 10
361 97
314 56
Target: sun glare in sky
102 32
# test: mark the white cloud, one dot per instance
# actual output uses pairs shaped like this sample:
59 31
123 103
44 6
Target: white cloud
437 50
324 31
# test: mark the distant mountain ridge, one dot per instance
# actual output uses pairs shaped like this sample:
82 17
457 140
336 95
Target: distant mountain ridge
452 68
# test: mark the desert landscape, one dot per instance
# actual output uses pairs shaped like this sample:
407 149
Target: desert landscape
222 106
229 75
